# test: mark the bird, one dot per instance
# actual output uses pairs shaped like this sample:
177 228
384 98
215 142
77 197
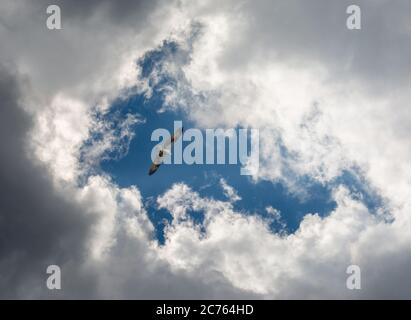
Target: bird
164 150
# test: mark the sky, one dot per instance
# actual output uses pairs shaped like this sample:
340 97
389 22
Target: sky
78 108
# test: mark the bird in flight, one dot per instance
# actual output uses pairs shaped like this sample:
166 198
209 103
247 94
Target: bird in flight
164 149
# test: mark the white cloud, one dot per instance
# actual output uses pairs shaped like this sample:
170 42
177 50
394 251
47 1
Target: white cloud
58 135
229 191
275 215
250 256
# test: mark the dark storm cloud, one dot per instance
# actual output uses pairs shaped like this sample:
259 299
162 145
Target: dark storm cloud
37 226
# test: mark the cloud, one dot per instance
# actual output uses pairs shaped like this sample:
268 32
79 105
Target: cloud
37 222
229 191
98 233
110 138
325 100
310 263
275 215
92 56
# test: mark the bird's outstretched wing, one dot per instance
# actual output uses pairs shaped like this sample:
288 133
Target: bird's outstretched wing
164 150
167 144
153 168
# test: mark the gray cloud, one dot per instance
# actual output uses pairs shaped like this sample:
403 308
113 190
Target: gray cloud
121 12
315 32
88 48
38 227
